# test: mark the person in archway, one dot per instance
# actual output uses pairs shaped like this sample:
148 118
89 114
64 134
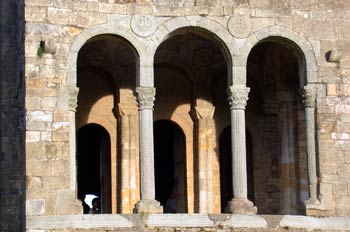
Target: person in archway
95 206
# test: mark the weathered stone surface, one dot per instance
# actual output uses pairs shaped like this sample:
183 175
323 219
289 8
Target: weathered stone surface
311 28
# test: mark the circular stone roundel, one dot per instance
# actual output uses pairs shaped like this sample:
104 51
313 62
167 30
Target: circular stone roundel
143 25
240 26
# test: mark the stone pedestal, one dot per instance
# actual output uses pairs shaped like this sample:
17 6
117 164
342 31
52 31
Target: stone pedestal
238 96
241 206
147 204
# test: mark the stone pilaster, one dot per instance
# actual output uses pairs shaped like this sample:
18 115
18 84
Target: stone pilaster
237 97
205 136
127 122
309 97
288 201
147 204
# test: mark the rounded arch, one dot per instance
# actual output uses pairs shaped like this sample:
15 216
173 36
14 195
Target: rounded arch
201 26
308 64
93 32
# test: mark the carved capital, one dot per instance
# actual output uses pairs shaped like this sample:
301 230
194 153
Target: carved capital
68 97
145 97
309 96
238 96
203 112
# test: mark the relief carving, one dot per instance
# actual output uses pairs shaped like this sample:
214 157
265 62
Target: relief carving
238 96
143 25
309 96
240 26
145 97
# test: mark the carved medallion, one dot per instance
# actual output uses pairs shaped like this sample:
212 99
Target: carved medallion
143 25
240 26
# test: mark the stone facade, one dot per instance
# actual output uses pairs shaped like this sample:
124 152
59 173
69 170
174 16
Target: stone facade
118 69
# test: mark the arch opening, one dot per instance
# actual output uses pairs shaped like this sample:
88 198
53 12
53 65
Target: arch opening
170 166
275 73
191 77
107 69
94 161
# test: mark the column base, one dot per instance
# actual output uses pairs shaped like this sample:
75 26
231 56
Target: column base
241 206
148 206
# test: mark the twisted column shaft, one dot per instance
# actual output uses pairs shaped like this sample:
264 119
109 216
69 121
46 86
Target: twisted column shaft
309 94
127 117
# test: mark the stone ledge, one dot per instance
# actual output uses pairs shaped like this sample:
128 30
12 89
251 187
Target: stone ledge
326 223
187 220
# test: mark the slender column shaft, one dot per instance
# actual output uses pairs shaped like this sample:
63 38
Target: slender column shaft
239 163
147 155
238 96
125 158
309 94
132 153
147 204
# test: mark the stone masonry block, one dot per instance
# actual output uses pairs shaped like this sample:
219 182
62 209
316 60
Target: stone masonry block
62 16
36 13
35 207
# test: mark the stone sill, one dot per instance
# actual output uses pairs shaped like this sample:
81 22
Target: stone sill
40 223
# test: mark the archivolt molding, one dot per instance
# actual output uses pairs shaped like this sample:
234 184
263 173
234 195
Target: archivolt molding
278 31
166 29
103 29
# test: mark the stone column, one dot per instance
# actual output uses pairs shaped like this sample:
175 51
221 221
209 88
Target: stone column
147 204
205 140
238 96
288 202
127 123
309 96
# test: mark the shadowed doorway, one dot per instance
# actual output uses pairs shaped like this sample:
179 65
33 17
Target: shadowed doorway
170 166
93 158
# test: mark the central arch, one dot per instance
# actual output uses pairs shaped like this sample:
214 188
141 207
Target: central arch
170 166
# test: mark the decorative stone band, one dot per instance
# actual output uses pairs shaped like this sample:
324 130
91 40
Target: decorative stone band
145 97
309 96
238 96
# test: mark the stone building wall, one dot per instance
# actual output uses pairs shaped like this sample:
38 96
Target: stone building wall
12 121
60 28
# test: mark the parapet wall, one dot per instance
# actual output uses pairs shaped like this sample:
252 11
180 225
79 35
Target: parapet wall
188 223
